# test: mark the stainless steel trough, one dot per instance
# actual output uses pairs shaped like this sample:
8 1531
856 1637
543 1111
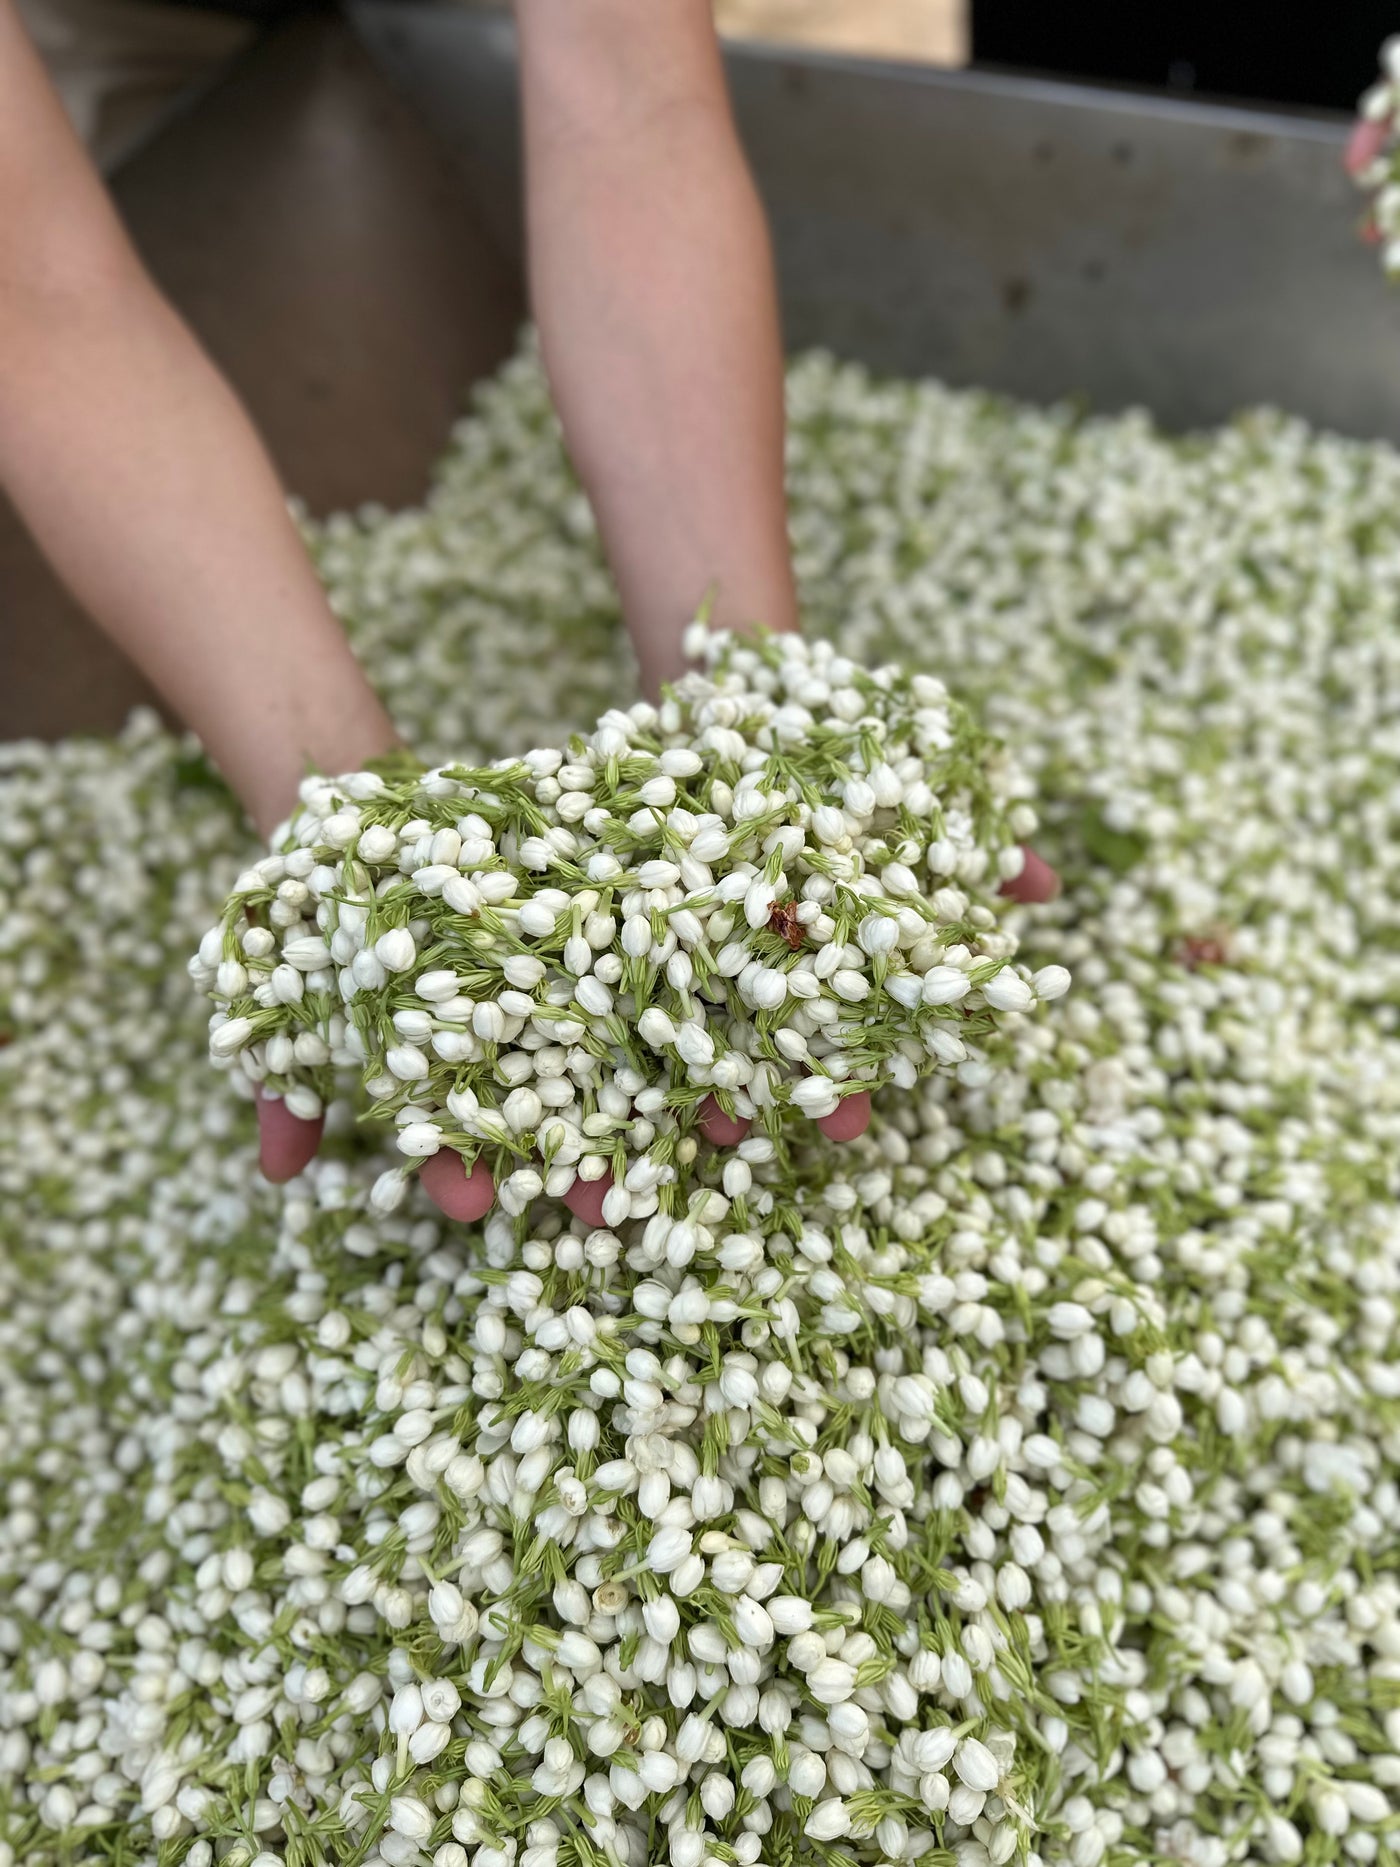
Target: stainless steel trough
1041 238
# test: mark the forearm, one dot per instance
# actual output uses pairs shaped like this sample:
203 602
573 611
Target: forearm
653 289
144 483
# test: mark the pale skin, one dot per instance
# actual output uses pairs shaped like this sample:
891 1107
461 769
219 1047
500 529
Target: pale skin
140 475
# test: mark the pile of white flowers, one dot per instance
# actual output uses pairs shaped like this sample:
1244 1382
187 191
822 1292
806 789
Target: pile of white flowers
1375 157
757 891
1016 1483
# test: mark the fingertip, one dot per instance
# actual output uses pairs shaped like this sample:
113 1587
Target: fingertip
719 1129
585 1199
287 1143
849 1120
1037 881
460 1195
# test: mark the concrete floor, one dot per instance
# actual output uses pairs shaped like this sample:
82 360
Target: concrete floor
306 228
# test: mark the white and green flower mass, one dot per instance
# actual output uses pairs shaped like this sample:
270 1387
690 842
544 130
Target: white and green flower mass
1017 1483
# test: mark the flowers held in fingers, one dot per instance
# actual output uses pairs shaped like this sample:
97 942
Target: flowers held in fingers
768 896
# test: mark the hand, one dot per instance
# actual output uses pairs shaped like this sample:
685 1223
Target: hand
1368 138
288 1143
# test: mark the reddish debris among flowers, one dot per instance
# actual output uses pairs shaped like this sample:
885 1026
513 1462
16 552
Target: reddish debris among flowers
1209 949
783 920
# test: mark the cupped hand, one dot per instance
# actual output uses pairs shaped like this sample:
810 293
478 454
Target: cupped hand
288 1142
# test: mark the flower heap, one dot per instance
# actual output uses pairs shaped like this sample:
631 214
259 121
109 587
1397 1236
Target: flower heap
769 890
308 1551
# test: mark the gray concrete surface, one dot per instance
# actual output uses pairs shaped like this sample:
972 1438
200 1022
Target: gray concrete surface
1046 240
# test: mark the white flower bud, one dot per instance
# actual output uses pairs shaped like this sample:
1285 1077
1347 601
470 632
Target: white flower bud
230 1036
828 1820
410 1818
976 1766
1008 991
1051 982
395 950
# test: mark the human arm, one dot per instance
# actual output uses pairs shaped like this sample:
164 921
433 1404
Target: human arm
142 479
652 281
654 294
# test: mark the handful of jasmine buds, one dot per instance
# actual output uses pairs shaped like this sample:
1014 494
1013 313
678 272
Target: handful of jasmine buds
772 890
